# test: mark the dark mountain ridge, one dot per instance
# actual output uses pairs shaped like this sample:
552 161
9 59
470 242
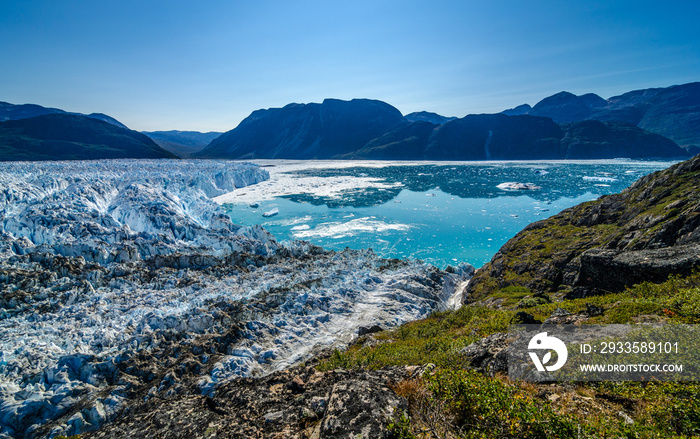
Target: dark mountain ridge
672 112
637 124
365 129
61 136
306 131
23 111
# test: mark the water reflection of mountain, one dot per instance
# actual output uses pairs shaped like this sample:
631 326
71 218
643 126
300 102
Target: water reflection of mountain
479 181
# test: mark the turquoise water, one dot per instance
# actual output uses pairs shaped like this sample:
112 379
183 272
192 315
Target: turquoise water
442 214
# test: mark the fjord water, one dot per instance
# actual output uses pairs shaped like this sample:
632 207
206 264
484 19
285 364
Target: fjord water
443 213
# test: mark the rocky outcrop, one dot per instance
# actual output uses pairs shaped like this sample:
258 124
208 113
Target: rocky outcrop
299 402
635 266
488 354
646 233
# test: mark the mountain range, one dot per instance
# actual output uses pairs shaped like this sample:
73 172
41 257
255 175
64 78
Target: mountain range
182 143
650 123
639 124
673 112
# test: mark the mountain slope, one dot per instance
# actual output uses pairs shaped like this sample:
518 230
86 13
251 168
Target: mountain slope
15 112
407 142
673 112
645 233
182 143
306 131
495 137
69 137
501 137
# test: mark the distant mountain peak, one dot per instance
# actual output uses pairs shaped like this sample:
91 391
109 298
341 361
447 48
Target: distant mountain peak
426 116
518 111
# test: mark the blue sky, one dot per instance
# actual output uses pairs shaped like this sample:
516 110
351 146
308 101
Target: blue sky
160 65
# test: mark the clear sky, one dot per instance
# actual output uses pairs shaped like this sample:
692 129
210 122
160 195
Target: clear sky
206 65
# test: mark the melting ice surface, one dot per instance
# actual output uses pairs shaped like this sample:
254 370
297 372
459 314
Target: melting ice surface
441 212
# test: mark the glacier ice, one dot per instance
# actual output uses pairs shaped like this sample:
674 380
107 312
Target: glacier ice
119 278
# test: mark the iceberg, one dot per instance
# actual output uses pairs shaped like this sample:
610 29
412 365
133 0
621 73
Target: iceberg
601 179
272 212
514 186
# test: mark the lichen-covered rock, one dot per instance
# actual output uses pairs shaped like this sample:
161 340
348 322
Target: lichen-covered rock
333 404
488 354
359 408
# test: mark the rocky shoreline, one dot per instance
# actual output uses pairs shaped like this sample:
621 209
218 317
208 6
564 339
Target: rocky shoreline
645 233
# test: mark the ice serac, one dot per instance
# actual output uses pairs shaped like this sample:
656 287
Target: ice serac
123 281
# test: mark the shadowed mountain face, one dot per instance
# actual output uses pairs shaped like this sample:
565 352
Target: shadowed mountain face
24 111
495 137
501 137
69 137
307 131
672 112
366 129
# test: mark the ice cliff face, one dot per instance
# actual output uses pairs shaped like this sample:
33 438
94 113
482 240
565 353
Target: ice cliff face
123 280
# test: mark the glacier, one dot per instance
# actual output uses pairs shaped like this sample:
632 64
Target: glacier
124 280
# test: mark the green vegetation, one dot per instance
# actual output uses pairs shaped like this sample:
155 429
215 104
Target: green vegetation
436 340
453 402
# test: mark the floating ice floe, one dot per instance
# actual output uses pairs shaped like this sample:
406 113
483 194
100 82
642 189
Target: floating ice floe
272 212
337 229
601 179
515 186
